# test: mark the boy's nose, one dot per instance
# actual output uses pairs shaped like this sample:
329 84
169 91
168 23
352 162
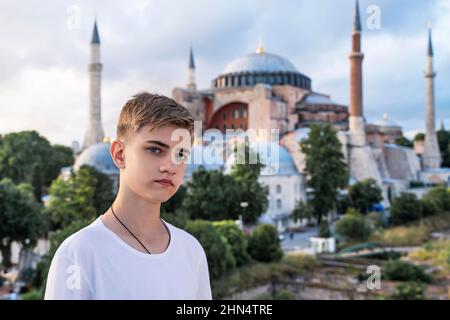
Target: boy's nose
168 165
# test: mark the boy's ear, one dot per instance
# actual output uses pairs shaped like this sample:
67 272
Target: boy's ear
117 151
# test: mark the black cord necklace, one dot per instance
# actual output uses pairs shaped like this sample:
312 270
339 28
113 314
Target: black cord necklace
167 229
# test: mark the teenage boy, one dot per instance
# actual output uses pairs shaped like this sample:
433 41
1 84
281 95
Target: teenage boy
130 252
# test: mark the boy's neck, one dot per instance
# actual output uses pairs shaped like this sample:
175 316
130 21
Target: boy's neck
138 214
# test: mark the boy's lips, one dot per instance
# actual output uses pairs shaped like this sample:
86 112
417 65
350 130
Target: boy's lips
165 182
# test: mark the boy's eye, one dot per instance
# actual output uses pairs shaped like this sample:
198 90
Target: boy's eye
154 149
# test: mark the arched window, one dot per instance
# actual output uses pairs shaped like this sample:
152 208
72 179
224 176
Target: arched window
278 188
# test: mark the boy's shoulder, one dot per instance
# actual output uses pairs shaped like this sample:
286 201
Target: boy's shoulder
187 239
80 242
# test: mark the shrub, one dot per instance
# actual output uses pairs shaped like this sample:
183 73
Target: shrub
363 194
409 291
406 208
264 245
32 295
353 227
439 197
375 219
218 250
324 229
236 238
399 270
284 294
414 234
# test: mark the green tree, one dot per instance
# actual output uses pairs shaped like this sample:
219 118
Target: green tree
444 145
363 194
302 210
28 157
404 142
211 195
218 251
264 245
325 168
83 196
20 216
174 203
103 187
172 211
353 227
419 137
62 156
246 174
439 197
236 238
406 208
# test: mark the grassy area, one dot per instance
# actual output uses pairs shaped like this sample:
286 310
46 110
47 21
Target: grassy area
413 234
436 254
257 274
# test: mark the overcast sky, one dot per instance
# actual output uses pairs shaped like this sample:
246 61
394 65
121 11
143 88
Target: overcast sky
44 52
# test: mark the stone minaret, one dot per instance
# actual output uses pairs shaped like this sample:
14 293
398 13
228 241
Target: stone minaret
356 119
94 132
431 155
191 72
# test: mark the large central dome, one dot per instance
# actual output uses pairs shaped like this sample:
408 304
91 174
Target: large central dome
260 62
261 67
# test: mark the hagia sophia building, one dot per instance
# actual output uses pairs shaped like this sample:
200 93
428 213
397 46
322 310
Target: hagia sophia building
262 90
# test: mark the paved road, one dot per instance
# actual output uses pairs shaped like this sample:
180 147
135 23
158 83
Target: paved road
300 241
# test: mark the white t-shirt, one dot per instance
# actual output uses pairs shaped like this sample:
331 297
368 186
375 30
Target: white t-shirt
95 263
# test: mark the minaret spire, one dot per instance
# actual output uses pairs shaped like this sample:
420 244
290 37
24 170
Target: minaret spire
95 37
356 119
431 155
356 18
94 132
191 59
191 85
430 44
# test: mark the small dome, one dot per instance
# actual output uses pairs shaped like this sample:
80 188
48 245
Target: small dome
386 122
97 156
266 219
199 156
283 165
260 62
301 134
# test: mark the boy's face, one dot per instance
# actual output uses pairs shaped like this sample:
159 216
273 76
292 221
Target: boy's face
152 162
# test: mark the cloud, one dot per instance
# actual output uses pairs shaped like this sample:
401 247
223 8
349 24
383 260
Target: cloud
43 84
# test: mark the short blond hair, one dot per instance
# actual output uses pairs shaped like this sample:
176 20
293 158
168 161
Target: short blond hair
154 110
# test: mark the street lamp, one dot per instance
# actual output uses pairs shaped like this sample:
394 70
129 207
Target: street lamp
241 221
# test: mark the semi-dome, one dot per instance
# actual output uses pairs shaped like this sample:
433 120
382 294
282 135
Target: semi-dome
202 156
97 156
261 67
276 159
